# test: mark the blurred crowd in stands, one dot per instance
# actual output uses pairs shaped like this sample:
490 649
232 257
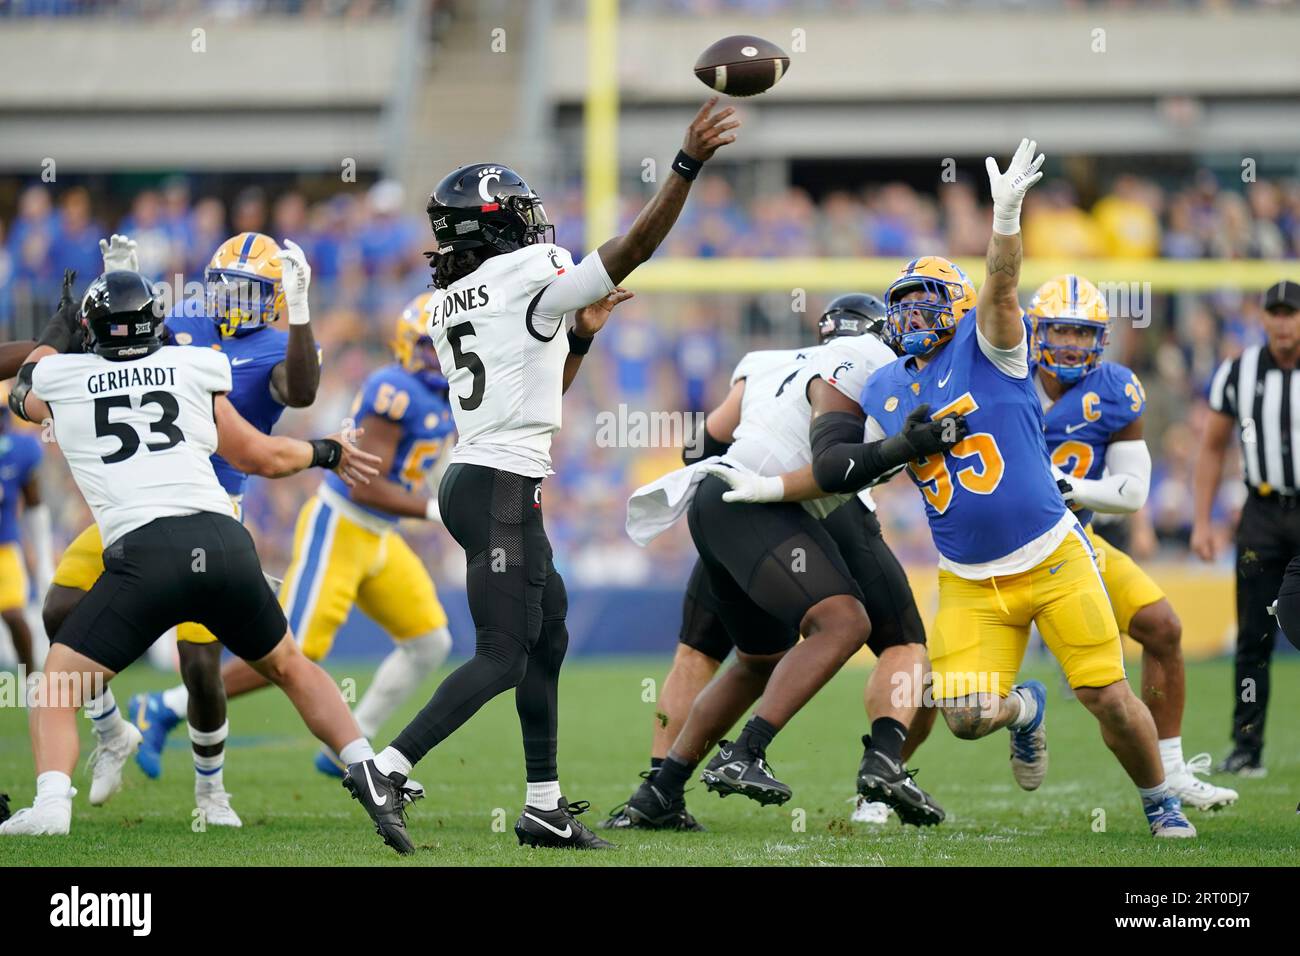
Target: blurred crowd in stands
671 352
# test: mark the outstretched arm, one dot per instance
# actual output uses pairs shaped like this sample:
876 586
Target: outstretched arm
704 136
277 456
998 312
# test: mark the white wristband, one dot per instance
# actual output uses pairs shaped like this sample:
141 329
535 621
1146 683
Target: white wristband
770 488
1006 222
431 511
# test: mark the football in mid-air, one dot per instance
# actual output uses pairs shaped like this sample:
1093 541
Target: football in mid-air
742 65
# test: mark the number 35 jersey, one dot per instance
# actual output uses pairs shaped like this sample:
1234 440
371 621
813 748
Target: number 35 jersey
498 332
420 409
991 500
138 435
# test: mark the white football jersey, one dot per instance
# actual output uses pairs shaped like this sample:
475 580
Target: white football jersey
503 357
138 435
772 437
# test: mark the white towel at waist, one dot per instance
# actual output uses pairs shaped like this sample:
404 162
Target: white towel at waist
652 508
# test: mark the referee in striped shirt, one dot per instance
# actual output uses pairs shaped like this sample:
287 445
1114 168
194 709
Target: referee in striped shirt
1259 394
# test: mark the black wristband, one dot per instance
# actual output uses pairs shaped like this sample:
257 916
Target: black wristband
325 453
578 345
686 167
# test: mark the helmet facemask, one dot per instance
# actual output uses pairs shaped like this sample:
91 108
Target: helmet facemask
239 302
1051 356
935 307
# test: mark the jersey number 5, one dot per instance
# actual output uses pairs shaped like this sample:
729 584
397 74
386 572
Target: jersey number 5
982 475
469 361
127 435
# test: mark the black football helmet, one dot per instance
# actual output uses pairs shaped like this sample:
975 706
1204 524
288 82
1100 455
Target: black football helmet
486 205
122 315
854 313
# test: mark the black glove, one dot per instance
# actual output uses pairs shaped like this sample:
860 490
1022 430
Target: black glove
64 332
928 437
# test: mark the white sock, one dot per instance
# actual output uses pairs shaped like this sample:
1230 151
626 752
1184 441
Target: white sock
543 796
207 770
105 717
399 675
391 761
357 751
1028 710
177 700
1171 755
1156 794
53 785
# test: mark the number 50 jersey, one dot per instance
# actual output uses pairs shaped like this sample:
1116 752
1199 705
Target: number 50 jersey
138 435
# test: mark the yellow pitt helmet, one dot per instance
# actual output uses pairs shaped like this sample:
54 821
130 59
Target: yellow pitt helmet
243 283
1068 301
948 295
412 346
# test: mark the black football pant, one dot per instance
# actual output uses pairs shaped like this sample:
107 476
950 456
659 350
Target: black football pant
1267 538
519 604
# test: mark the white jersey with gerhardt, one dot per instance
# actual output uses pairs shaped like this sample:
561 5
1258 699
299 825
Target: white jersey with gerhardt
499 333
138 435
772 437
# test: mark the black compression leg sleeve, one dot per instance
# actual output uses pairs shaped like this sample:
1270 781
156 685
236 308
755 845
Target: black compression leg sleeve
498 664
536 696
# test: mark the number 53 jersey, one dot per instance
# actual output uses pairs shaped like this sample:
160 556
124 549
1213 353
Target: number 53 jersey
992 503
138 435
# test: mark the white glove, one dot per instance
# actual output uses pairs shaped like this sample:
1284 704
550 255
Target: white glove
295 278
1009 188
119 253
747 487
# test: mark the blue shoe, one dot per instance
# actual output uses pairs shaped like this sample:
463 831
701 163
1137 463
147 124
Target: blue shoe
1029 744
155 721
1168 820
328 764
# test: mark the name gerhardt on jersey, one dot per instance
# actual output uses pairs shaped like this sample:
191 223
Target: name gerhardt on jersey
775 416
138 435
497 333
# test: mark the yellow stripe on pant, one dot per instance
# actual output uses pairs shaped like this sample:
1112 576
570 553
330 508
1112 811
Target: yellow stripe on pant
982 627
338 563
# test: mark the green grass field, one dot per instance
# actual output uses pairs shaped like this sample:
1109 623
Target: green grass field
295 817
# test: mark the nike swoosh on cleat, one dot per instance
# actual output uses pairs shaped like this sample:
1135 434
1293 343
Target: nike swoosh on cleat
374 794
562 834
141 720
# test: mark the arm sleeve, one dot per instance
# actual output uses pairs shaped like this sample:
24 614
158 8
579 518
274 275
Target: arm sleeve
1123 488
575 287
1013 361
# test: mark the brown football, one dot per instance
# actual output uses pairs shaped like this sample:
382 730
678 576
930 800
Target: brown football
742 65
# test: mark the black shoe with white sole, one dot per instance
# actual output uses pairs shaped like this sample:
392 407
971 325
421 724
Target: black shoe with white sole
650 808
882 779
558 828
737 770
4 807
385 799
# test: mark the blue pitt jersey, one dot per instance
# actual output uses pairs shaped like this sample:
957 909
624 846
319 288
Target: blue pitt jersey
20 453
420 407
1078 428
252 357
993 492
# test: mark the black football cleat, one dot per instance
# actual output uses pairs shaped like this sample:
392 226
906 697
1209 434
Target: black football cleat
883 779
4 807
1243 762
558 828
650 808
385 799
733 770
